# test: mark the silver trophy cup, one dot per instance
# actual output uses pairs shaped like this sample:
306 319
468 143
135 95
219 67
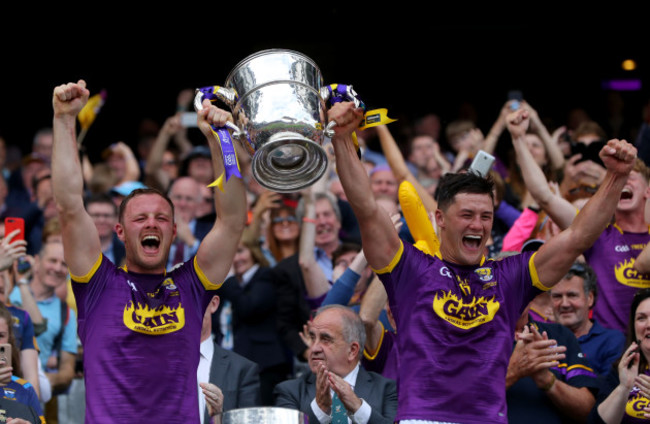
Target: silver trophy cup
280 117
261 415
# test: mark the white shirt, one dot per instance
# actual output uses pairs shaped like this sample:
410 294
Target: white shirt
203 371
362 416
246 276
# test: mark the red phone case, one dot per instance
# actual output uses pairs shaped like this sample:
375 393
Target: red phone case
13 223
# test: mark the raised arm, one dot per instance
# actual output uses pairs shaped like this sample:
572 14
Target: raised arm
642 262
132 172
379 239
552 148
491 140
618 157
398 166
154 175
316 283
230 205
373 302
561 211
80 238
343 288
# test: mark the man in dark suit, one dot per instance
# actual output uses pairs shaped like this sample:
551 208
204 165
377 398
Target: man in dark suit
229 381
255 336
337 384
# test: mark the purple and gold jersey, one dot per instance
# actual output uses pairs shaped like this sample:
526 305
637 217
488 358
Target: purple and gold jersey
385 360
455 327
634 412
141 338
612 258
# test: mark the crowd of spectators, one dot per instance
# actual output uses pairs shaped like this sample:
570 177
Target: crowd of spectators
302 252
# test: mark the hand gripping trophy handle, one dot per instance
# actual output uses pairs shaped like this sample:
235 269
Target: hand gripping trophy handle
337 93
224 94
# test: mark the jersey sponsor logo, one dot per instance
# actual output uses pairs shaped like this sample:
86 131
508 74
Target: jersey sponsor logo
462 313
444 271
156 321
485 274
635 404
622 248
628 276
169 284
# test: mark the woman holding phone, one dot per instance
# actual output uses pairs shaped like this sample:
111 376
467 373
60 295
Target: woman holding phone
625 394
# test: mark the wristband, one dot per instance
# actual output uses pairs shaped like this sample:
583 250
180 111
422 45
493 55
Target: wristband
22 281
310 220
535 209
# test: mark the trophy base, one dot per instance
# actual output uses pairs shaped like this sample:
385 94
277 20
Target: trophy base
288 162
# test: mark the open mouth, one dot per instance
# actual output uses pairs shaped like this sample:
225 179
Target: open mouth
150 243
472 241
626 194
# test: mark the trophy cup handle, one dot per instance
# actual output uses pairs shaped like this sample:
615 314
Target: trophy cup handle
329 129
336 93
198 105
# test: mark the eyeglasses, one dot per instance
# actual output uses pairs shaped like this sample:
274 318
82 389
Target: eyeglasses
287 219
102 215
180 197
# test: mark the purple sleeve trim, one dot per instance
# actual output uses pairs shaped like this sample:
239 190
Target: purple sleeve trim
315 302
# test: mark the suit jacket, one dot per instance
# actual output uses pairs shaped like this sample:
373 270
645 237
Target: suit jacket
254 322
204 224
293 310
237 377
379 392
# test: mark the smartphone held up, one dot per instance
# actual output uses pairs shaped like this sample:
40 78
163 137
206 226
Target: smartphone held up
482 163
515 97
11 225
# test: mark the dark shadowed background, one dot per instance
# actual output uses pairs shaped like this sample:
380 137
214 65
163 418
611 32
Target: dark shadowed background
401 58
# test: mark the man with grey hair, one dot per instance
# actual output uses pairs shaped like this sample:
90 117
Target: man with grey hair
338 388
572 300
